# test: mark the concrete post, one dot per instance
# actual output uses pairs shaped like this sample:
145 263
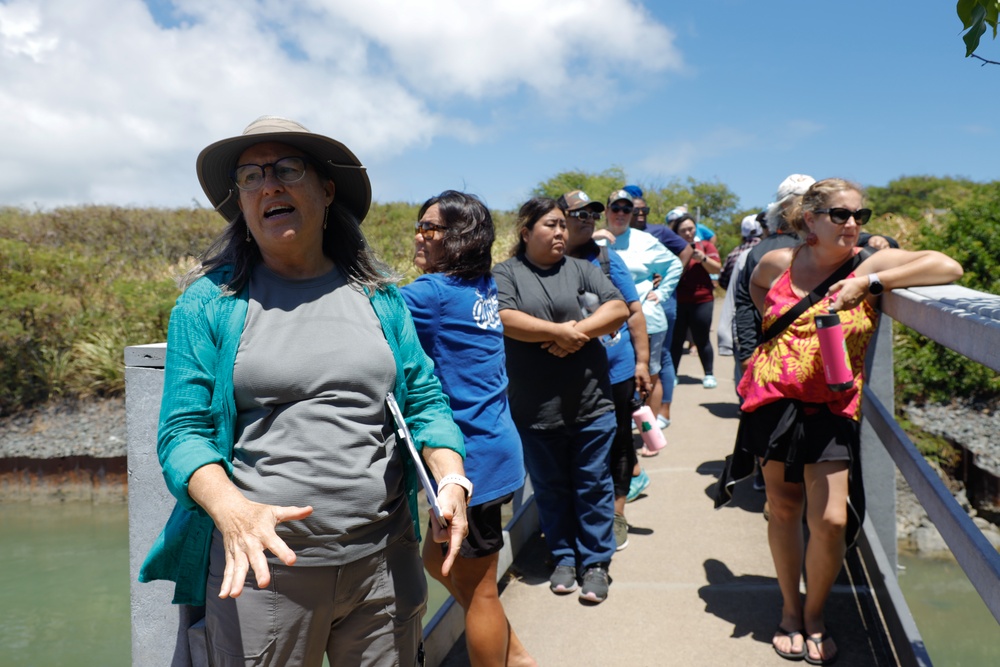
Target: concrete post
159 628
877 467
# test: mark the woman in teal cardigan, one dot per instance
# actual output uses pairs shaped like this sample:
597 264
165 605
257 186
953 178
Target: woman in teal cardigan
296 521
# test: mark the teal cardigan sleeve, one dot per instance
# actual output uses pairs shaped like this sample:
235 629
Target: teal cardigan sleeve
425 407
418 390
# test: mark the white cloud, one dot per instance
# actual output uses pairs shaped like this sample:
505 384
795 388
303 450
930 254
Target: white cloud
681 157
102 103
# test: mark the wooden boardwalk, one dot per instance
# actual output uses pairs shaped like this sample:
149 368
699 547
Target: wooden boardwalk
696 585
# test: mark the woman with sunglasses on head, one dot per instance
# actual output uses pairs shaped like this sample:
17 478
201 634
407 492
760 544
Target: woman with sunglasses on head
695 299
554 309
295 524
454 308
806 433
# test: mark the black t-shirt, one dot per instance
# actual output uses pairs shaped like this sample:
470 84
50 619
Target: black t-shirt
546 391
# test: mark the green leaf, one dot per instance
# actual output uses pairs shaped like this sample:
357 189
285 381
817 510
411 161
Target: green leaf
971 38
964 10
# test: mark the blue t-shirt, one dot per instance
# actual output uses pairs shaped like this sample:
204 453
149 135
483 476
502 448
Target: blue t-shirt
458 324
621 355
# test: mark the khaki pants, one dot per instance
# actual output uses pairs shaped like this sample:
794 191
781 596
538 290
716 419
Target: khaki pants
367 612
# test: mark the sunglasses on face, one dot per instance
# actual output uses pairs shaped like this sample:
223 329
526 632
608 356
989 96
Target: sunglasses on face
616 208
640 210
840 216
584 216
288 170
428 230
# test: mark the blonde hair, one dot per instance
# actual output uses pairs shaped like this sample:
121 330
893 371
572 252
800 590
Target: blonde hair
817 197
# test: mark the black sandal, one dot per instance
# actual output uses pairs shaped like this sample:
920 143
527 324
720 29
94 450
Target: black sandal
818 638
790 655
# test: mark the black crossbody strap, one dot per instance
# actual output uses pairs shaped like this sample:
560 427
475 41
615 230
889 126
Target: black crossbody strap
809 300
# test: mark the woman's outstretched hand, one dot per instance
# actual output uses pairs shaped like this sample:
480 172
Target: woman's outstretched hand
247 531
247 527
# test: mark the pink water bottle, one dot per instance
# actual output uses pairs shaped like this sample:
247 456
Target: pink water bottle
833 351
650 431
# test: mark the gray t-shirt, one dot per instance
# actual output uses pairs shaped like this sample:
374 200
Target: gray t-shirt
311 375
546 391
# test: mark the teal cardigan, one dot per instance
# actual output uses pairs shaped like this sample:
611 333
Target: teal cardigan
198 415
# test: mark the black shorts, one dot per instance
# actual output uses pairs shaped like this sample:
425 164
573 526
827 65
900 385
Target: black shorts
485 529
799 434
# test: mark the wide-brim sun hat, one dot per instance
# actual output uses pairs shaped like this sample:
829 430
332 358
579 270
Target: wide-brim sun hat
217 161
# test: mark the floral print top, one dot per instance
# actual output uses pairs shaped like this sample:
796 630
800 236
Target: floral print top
790 366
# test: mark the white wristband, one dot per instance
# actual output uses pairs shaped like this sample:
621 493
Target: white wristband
460 480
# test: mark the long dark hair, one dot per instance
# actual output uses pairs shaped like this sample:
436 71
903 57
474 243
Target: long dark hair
343 242
467 246
530 212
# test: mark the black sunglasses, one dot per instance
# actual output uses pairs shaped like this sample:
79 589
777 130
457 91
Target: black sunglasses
620 209
640 210
840 216
585 215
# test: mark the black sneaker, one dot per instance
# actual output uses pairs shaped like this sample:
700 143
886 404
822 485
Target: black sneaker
595 584
563 580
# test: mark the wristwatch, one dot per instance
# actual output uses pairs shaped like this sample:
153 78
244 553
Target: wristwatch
875 286
461 480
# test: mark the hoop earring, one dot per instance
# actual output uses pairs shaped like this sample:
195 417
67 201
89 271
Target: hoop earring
811 239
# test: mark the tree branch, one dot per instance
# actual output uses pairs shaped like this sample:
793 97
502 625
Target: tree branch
985 61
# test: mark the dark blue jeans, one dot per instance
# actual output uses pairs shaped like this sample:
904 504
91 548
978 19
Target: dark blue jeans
571 476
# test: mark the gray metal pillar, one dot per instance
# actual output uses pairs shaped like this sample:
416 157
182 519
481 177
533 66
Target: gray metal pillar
159 628
877 467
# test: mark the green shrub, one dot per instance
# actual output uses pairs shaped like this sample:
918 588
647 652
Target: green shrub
969 233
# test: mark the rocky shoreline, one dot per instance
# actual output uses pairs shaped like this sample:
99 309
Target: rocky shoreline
69 451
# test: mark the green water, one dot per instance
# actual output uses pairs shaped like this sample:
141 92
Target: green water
65 593
957 628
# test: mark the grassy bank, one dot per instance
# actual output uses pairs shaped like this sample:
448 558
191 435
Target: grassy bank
79 284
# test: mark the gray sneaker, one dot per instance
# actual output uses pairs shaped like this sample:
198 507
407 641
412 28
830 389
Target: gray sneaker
595 584
563 580
621 532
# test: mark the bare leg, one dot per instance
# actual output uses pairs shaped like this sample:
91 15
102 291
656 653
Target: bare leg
826 489
489 638
786 503
664 408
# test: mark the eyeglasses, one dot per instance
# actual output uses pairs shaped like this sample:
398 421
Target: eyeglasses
840 216
615 208
428 230
288 170
640 210
585 215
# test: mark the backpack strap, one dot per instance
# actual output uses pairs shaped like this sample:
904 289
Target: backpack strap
809 300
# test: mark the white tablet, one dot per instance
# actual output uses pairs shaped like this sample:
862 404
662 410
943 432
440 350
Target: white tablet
403 434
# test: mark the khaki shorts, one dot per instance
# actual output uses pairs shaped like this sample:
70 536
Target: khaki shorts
367 612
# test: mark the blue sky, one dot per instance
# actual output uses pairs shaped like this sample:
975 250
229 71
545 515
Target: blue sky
110 101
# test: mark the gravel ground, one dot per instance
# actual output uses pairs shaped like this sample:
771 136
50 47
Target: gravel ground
87 428
977 430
